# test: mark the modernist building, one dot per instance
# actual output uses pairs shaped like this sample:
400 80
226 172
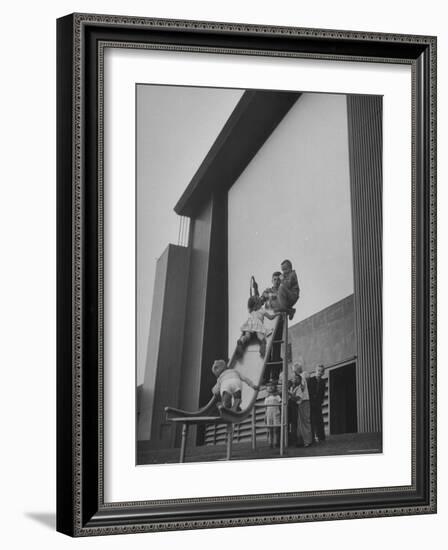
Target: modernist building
190 312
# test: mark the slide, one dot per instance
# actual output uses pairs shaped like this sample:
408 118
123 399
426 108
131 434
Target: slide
252 366
206 411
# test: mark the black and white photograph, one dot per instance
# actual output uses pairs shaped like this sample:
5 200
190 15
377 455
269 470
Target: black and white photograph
222 237
258 274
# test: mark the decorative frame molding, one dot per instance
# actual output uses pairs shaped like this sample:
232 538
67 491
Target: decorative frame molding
81 510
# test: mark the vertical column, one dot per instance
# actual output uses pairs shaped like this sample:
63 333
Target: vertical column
165 345
200 238
206 325
364 115
216 325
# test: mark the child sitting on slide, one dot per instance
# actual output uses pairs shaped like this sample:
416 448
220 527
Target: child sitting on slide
289 291
254 325
229 385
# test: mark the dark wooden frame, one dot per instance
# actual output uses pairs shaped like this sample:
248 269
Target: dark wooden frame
81 510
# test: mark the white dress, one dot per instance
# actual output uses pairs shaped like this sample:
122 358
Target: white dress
255 323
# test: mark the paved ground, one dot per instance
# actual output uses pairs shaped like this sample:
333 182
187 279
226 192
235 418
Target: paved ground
334 445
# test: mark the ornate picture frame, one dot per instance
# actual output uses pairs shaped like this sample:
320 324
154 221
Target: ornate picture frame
81 506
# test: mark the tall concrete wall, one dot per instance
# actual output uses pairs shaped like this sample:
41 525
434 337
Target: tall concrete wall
327 337
206 337
366 178
200 235
293 201
152 353
165 347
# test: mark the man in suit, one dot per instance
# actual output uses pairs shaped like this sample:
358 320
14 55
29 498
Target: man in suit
300 395
316 388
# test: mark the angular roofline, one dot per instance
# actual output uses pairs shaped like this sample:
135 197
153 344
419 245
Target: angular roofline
253 120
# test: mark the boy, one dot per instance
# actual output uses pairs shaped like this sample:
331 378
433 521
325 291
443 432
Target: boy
289 291
229 385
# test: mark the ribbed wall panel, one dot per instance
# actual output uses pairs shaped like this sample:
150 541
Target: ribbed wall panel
366 180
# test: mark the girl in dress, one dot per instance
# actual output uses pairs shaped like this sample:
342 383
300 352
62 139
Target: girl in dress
254 325
273 415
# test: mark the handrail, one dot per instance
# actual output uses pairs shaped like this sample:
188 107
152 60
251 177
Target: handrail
200 412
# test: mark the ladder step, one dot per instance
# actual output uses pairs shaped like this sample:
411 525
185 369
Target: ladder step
278 341
274 363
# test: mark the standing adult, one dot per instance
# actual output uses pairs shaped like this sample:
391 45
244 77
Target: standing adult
316 388
292 412
269 298
299 393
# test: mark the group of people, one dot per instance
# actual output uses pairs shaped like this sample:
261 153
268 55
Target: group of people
305 394
305 397
280 298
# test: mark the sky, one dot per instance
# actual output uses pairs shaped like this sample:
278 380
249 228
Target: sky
176 127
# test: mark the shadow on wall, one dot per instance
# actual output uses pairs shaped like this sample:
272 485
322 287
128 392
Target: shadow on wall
47 519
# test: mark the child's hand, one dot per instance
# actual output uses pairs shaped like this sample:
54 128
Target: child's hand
256 387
